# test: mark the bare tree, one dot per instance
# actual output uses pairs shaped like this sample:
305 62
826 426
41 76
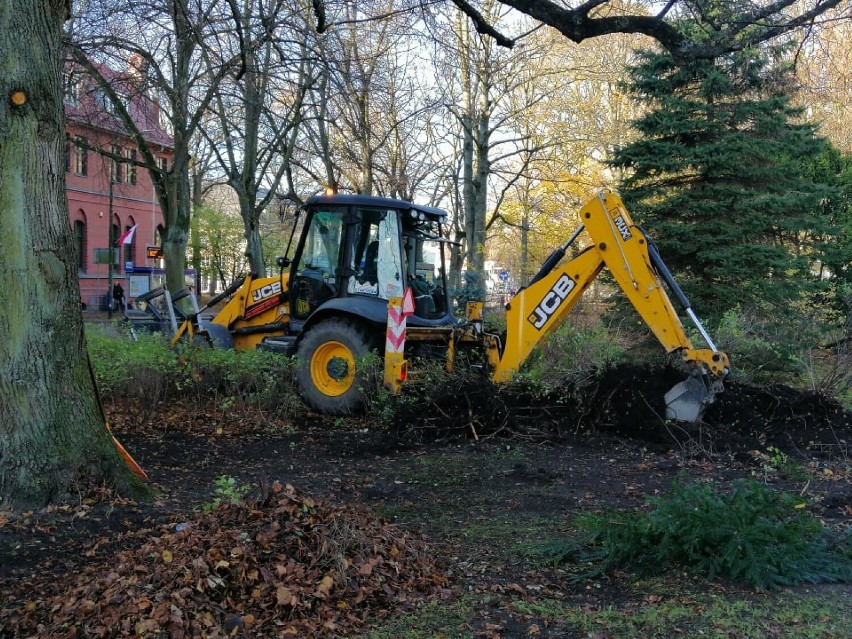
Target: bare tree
736 25
371 111
574 111
257 106
488 97
824 67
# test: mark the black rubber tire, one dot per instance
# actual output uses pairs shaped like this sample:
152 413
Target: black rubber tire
326 372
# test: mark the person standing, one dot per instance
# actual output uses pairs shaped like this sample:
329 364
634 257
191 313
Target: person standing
118 296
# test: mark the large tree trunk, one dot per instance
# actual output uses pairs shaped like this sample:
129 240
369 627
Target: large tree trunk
53 441
176 210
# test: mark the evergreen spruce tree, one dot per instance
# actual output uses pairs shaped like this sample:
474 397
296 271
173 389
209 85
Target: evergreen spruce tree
835 169
719 178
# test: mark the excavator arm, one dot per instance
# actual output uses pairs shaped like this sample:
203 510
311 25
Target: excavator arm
632 259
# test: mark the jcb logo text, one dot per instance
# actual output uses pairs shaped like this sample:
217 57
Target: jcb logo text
265 291
551 301
622 227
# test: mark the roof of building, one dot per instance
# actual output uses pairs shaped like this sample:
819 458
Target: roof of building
90 106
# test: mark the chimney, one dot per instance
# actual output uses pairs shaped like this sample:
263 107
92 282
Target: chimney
137 67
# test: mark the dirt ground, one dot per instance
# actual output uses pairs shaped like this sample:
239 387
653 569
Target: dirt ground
477 477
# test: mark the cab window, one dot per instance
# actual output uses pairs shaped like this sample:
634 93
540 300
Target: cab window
376 262
322 247
316 271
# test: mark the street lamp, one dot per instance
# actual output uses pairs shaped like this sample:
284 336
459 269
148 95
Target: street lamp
110 253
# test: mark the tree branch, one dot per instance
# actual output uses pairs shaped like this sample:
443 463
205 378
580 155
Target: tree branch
319 12
580 23
482 25
662 13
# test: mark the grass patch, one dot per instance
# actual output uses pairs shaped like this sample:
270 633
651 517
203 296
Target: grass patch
428 515
711 615
513 533
457 468
444 620
778 615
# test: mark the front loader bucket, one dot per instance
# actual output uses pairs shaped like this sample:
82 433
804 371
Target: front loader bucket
688 400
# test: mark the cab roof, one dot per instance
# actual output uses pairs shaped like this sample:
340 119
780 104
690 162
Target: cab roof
374 201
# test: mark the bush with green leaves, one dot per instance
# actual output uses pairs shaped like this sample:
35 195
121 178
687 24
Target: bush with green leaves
379 402
246 379
227 491
571 356
750 533
765 348
145 367
150 370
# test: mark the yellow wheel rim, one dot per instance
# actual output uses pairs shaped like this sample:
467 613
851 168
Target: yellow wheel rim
333 368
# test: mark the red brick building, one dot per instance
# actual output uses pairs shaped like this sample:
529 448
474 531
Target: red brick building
108 195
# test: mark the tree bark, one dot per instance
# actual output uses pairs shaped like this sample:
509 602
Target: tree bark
53 441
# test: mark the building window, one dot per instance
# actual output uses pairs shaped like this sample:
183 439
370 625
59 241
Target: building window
102 100
130 175
81 154
80 244
70 87
130 249
116 166
116 249
164 164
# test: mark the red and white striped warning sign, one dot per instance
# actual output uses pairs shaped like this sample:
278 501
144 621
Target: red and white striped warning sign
399 308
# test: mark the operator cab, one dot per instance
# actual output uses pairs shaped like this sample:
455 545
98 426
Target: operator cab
356 252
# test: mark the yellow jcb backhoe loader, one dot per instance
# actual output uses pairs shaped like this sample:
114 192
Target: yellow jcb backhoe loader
370 273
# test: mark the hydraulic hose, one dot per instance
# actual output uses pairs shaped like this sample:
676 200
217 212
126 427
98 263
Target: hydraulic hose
665 273
554 258
236 284
675 288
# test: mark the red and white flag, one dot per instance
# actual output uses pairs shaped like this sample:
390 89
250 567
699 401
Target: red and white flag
127 236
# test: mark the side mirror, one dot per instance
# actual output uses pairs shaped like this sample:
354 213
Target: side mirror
283 262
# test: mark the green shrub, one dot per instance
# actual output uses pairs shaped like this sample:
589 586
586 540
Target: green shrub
428 383
122 366
764 348
752 534
242 380
494 320
227 491
570 357
148 369
379 403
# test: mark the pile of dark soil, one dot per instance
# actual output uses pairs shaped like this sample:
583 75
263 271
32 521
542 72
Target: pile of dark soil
628 401
743 417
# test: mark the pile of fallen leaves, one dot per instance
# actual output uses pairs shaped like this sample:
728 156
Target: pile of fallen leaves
288 567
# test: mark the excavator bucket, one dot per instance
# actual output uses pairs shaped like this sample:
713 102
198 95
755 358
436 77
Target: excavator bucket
687 400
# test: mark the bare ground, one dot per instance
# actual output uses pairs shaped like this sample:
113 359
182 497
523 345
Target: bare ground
477 477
